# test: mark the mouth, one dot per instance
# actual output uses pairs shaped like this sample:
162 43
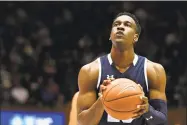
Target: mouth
119 34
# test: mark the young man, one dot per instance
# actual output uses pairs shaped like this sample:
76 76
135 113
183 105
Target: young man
122 62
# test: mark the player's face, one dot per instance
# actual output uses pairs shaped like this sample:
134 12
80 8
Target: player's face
123 31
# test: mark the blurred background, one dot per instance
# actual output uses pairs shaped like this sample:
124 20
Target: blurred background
44 44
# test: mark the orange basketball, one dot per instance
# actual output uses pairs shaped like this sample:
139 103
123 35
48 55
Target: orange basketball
121 98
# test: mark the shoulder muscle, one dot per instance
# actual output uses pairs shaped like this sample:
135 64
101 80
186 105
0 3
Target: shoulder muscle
88 76
156 76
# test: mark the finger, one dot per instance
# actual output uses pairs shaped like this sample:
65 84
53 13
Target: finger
106 82
137 110
102 88
111 79
140 87
139 113
144 99
136 115
142 106
142 112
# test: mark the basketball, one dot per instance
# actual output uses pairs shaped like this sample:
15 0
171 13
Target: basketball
121 98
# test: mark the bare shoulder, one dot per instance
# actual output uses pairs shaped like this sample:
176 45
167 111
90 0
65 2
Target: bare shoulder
93 66
156 67
88 75
75 96
156 75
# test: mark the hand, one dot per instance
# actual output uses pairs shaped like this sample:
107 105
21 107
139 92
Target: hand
143 108
104 85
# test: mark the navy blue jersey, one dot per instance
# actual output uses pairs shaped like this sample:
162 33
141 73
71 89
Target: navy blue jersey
136 72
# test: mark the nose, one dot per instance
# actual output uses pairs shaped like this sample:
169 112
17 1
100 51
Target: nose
120 28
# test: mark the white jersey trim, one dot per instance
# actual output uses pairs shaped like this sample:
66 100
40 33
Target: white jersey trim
99 77
135 60
145 73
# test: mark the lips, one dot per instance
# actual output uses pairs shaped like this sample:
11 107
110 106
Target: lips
119 34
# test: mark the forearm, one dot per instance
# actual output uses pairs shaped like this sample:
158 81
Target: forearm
157 114
92 115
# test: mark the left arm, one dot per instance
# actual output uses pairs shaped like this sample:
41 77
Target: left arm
73 112
155 110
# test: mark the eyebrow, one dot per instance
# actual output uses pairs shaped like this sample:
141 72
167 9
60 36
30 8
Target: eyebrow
128 22
117 21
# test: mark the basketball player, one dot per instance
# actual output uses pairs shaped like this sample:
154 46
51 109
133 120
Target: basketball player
122 62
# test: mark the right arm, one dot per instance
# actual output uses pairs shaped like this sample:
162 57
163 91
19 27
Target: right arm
89 108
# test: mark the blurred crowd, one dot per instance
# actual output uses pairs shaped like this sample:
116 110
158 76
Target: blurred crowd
44 44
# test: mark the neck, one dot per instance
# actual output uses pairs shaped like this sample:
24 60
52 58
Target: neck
124 58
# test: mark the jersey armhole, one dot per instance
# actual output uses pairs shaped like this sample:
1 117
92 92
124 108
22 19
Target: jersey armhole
145 74
99 77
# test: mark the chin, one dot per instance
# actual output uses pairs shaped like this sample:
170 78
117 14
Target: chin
119 42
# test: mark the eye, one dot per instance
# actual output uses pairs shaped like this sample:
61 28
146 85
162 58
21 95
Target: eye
116 24
127 24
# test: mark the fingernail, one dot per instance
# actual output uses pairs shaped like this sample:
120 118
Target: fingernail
138 106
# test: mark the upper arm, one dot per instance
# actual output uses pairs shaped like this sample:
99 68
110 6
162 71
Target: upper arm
157 81
87 80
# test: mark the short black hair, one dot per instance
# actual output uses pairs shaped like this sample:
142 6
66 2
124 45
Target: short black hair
138 29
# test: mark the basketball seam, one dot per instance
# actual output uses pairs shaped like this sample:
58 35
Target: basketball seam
122 97
109 90
119 111
112 88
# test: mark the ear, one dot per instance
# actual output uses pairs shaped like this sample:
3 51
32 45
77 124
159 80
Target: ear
110 35
136 36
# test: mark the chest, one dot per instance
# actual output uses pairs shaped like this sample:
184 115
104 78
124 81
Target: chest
135 73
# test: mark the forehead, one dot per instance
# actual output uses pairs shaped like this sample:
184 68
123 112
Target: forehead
124 18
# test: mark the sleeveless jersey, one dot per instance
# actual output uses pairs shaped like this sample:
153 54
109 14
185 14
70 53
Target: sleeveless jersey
136 72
